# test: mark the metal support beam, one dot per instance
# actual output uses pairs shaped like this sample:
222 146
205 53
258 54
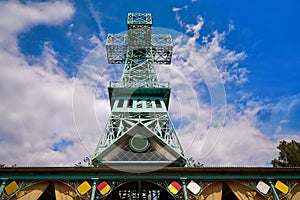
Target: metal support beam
201 173
184 188
273 190
2 186
140 190
94 188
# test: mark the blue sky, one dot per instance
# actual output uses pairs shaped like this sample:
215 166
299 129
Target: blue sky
253 44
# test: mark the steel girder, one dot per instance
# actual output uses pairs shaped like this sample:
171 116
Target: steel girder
127 184
117 45
156 124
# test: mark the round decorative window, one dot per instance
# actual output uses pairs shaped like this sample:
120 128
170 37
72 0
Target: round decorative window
139 143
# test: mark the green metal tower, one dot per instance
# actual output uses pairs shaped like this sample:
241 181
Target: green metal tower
139 130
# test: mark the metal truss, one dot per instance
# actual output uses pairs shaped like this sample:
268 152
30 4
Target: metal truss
139 66
139 18
133 84
117 45
139 50
116 48
162 48
139 36
119 124
139 29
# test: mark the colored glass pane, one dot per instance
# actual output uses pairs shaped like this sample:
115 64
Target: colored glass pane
83 188
282 187
193 187
174 187
263 187
103 187
11 188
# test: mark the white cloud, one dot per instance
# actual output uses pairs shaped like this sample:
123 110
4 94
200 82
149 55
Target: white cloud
16 17
36 112
242 144
96 16
195 29
174 9
179 20
36 98
239 141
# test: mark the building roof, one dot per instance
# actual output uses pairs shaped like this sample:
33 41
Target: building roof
203 173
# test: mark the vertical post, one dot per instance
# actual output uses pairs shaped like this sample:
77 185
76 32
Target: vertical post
94 188
184 188
273 190
2 186
140 189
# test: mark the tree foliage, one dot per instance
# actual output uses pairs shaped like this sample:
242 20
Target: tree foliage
289 155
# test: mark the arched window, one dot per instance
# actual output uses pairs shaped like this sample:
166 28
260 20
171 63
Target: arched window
157 103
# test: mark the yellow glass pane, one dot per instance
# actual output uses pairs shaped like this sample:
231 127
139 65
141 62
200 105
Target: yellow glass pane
84 188
11 188
282 187
172 189
105 190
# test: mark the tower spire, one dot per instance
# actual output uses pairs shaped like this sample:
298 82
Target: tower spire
139 129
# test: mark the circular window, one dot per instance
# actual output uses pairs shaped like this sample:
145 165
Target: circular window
139 143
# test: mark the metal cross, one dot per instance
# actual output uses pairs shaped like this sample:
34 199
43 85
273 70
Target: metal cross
139 50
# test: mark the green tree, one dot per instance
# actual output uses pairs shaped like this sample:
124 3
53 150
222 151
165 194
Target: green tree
289 155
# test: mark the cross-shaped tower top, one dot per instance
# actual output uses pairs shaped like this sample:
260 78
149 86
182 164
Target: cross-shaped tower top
139 50
139 36
139 130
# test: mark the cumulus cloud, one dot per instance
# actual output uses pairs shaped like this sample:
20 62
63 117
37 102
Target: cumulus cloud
241 144
200 64
36 97
195 28
17 17
35 113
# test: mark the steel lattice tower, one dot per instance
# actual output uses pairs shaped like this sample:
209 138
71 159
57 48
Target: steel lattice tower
139 129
